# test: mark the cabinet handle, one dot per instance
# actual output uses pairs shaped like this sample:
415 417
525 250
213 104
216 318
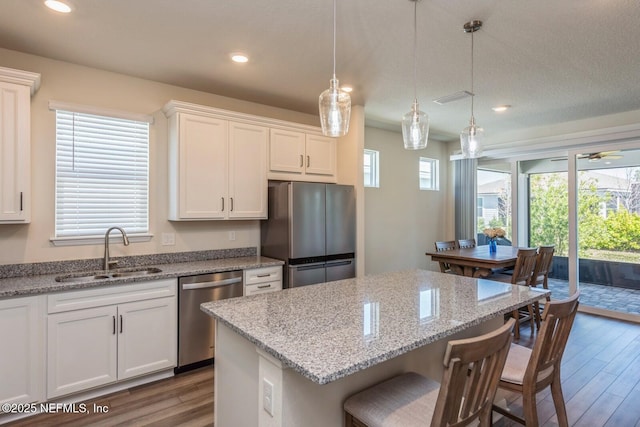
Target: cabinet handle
301 160
263 275
21 201
222 203
231 204
121 323
114 325
308 161
264 286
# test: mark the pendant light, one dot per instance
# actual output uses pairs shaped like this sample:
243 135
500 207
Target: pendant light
472 137
415 124
334 103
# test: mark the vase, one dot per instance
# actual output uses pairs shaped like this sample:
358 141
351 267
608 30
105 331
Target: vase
493 246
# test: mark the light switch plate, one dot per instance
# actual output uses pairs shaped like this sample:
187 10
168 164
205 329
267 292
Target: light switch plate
267 396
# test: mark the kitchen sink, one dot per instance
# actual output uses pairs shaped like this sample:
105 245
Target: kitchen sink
110 274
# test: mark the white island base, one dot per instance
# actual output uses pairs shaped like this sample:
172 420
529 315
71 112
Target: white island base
243 374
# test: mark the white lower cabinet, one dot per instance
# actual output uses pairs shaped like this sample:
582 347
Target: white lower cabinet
107 342
22 358
262 280
82 350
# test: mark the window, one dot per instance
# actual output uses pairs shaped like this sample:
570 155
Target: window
371 169
429 174
102 175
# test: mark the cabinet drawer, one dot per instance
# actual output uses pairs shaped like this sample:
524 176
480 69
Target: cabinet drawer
262 288
108 295
262 275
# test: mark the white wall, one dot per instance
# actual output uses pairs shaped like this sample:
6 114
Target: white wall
401 221
87 86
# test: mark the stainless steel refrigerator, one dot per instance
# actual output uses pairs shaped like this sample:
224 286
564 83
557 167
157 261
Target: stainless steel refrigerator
312 228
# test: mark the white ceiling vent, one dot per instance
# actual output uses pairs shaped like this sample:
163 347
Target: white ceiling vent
453 97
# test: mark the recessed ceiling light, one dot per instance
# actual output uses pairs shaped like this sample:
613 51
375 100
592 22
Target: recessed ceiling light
347 89
239 58
58 6
501 108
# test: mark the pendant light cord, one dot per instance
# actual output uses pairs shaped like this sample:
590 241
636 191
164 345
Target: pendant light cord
334 39
473 94
415 50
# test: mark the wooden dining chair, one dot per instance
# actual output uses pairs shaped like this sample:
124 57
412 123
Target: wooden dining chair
522 272
446 246
472 369
540 275
529 371
466 243
543 266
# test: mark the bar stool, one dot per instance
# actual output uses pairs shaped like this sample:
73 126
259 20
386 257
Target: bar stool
529 371
472 370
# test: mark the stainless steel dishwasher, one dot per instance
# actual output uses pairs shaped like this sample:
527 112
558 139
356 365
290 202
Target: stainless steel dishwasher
196 330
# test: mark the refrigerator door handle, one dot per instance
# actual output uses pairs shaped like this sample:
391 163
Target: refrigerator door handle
338 263
309 266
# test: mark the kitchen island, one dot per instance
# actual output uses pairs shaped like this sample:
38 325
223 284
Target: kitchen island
290 358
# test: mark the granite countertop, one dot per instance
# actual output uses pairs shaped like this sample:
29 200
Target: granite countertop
45 283
331 330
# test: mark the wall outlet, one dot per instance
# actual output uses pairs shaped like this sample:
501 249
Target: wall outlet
168 239
232 235
267 396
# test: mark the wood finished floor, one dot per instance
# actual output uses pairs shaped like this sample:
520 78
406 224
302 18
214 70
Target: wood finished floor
600 372
183 400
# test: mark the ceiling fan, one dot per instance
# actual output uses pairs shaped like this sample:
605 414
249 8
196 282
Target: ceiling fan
594 157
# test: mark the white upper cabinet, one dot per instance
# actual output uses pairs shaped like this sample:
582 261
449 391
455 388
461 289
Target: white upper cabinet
247 170
16 88
300 156
220 161
217 166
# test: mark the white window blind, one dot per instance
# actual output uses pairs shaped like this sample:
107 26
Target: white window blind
102 174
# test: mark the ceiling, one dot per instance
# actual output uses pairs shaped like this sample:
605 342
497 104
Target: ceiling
553 61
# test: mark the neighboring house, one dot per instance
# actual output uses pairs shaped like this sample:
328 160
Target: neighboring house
492 202
622 192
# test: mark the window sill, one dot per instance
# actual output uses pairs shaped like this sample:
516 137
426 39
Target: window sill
97 240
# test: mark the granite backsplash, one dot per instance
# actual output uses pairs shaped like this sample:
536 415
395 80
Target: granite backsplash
57 267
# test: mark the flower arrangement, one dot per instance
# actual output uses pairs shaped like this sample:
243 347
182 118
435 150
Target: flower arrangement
493 233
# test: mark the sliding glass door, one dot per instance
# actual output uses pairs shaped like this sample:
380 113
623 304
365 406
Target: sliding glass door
587 205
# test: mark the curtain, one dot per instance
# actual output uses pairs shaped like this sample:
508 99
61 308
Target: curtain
465 188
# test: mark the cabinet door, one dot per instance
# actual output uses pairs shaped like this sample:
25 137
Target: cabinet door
286 151
203 167
15 153
247 170
81 350
320 155
22 350
147 337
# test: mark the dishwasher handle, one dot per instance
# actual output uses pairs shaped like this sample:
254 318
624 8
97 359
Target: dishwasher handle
216 284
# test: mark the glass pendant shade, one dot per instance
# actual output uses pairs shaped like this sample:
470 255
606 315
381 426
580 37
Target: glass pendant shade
415 128
471 141
335 110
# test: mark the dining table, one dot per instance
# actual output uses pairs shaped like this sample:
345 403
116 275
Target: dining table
477 261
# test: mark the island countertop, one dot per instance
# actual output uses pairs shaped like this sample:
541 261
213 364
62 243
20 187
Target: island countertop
329 331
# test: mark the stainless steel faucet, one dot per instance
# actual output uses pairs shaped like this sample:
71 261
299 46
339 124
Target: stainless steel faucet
125 240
